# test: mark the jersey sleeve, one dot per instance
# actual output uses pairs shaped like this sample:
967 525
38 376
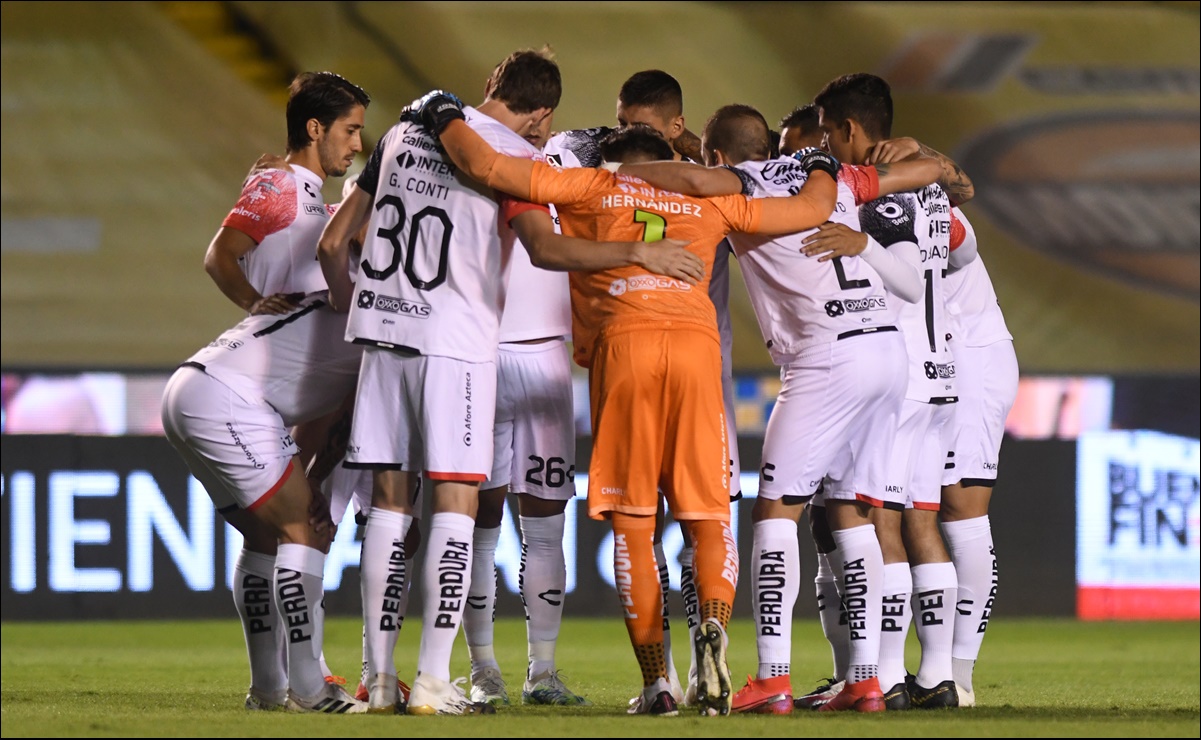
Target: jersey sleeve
267 205
864 182
741 213
958 232
368 180
890 220
511 208
551 185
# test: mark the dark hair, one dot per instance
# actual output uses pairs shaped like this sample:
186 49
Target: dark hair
653 88
635 139
803 118
863 98
740 132
775 143
321 95
525 81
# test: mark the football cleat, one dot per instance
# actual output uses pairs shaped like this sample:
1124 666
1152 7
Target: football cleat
820 695
656 699
383 697
942 696
764 696
677 694
332 699
861 696
713 691
897 698
488 687
258 701
967 697
362 694
432 695
548 688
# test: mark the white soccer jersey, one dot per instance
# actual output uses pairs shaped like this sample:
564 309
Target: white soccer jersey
296 363
436 259
284 213
538 303
922 220
972 306
799 301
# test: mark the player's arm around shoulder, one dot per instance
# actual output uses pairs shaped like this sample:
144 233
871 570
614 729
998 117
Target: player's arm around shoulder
813 203
686 177
951 177
552 251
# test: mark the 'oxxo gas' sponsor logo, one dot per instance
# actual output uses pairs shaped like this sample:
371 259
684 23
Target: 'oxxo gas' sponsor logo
402 306
621 286
837 307
936 370
1076 187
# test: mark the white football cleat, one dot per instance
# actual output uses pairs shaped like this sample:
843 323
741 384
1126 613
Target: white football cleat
332 699
432 695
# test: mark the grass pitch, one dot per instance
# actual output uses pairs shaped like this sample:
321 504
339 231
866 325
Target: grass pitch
1042 677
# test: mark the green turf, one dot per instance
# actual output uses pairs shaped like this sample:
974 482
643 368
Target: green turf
1036 678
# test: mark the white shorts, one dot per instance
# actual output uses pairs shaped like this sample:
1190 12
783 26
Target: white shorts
423 414
240 452
919 454
534 435
345 487
836 415
988 385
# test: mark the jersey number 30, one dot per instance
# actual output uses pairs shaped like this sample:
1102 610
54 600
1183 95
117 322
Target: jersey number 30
431 218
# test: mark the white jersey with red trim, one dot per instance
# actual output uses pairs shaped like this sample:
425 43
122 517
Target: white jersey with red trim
284 213
296 363
436 258
799 301
918 226
972 305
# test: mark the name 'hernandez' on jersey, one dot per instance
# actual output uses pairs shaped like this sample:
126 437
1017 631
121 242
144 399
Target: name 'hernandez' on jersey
921 219
436 259
799 301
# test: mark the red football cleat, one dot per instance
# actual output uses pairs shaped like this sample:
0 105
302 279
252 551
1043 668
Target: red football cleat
862 696
764 696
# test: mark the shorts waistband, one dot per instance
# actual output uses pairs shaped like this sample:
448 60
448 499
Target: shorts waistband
865 330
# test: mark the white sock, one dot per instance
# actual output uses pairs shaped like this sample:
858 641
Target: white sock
298 594
971 546
446 577
934 589
860 569
543 587
775 573
481 600
894 626
833 614
261 625
692 607
665 588
384 576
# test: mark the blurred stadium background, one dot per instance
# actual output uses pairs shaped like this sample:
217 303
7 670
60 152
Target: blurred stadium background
129 126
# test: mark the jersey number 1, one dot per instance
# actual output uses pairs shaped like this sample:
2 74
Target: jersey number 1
654 226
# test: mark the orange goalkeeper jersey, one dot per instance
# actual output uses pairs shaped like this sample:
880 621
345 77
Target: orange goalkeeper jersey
603 206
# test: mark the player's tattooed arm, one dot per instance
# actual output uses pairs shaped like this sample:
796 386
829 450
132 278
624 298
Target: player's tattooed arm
688 145
953 180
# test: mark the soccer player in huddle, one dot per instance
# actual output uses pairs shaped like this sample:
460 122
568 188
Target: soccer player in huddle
654 98
262 259
427 306
820 318
856 114
653 356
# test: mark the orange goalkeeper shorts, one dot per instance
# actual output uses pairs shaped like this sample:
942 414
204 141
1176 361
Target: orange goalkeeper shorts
658 423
